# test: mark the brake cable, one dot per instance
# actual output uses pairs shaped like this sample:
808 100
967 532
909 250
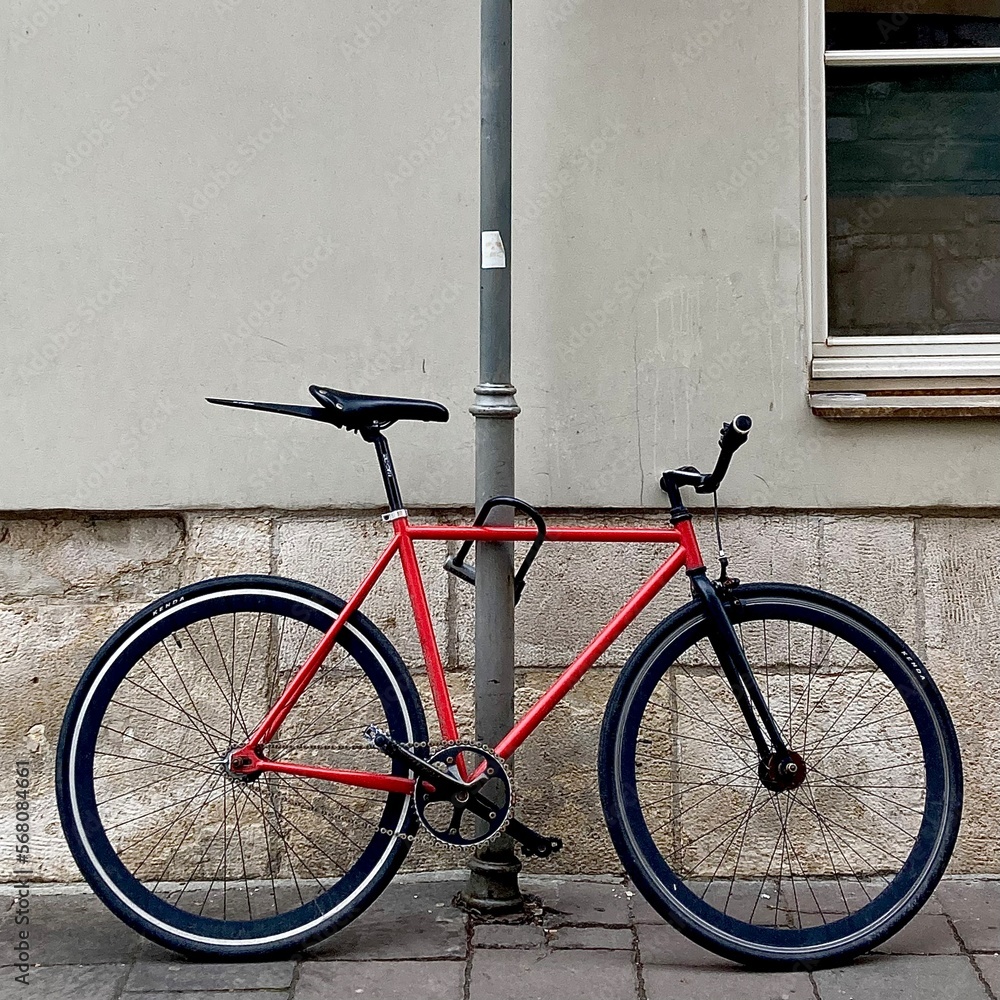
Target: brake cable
723 558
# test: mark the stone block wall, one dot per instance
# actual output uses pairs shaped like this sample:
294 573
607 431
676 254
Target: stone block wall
67 583
906 265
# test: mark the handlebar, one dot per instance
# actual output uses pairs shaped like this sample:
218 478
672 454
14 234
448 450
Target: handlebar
732 437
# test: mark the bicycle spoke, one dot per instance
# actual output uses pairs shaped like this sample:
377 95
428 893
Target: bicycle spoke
167 830
292 850
183 684
196 723
187 830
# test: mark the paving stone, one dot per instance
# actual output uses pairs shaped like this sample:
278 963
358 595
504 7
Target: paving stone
661 944
211 995
925 934
150 951
580 902
529 975
989 966
743 898
890 977
974 907
194 976
933 905
74 929
720 984
65 982
508 936
408 921
377 980
642 912
613 938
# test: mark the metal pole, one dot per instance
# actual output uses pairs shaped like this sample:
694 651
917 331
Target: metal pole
492 884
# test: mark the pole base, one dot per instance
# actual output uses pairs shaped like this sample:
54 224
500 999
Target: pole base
492 884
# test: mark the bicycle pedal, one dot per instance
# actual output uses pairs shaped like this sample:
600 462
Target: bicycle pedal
533 844
552 844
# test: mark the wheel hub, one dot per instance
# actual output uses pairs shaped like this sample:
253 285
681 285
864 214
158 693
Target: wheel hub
782 772
238 767
446 815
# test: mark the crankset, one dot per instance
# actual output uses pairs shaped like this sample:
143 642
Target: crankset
443 798
450 816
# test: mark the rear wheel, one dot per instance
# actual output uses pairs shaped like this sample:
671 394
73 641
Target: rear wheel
769 870
191 855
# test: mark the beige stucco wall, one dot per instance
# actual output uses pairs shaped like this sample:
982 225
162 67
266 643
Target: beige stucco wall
65 584
228 198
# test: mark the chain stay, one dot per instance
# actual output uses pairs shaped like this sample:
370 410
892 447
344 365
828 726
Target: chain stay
413 745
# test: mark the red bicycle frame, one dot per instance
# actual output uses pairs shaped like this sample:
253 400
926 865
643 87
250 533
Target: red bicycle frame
686 555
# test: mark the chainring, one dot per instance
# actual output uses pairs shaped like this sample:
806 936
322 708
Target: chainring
449 820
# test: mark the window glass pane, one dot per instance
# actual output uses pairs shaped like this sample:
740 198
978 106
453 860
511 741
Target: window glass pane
913 173
921 24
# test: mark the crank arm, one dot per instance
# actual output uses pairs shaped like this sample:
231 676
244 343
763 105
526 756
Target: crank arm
439 779
533 844
733 659
419 766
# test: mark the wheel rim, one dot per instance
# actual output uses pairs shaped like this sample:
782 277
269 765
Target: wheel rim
309 847
799 870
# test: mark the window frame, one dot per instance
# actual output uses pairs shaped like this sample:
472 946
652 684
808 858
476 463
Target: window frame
948 357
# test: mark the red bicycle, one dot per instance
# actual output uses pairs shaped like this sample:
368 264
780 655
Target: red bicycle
244 764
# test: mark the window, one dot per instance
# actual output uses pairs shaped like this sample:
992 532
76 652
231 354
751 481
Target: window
906 247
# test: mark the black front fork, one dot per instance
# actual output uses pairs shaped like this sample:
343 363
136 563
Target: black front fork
732 658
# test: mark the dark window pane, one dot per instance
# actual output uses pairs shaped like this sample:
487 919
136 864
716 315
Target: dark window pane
862 24
913 165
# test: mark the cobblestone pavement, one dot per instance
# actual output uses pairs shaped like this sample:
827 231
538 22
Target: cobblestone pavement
591 939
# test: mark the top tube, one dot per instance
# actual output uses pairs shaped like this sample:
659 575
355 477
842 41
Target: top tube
501 533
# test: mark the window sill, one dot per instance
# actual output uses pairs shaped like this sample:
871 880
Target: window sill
855 405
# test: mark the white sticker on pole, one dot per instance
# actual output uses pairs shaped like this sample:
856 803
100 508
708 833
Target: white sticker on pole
493 251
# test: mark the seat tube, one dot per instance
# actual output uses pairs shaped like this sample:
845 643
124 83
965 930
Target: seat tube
425 630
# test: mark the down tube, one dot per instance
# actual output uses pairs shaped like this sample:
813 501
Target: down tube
622 619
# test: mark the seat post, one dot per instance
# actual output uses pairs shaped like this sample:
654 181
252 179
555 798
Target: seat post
385 466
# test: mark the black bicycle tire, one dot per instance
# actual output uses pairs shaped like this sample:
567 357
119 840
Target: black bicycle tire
653 877
81 827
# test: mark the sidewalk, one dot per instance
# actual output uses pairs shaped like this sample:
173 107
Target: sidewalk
593 939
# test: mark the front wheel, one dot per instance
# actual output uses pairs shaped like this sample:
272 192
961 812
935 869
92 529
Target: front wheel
785 873
200 859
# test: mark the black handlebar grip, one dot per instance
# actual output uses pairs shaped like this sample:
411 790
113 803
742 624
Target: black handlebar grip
735 433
